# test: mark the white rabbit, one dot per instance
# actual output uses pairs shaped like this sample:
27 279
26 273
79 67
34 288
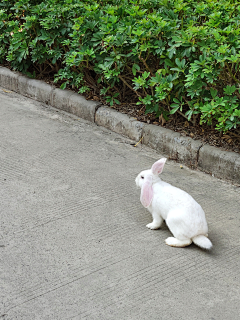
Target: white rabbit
183 215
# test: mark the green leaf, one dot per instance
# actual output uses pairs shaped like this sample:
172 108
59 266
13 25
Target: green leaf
117 101
174 108
176 100
229 90
168 63
63 86
135 68
189 114
213 92
145 75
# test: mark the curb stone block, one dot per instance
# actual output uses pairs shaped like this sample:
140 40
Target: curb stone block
221 164
82 108
59 99
36 89
9 79
175 146
119 123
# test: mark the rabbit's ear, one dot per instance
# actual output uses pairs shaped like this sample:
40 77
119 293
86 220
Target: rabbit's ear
157 167
146 192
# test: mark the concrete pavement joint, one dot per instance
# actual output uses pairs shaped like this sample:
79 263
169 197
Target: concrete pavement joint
193 153
198 154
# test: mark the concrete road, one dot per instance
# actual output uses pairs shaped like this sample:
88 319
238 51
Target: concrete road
74 242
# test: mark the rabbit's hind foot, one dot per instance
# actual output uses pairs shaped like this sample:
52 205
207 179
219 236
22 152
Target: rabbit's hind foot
174 242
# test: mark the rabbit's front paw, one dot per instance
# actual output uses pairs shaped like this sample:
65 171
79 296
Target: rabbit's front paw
153 226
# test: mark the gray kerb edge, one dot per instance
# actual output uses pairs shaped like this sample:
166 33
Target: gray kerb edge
118 122
221 164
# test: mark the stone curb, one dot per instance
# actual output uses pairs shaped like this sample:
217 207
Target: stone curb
221 164
35 89
119 122
9 79
177 147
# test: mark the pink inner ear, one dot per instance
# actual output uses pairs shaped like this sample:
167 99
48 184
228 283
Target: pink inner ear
157 167
146 192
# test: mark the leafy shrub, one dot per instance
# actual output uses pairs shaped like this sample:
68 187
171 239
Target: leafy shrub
172 55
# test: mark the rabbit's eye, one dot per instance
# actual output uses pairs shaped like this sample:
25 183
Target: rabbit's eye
142 177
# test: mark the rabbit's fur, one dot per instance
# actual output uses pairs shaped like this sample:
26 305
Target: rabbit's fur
183 215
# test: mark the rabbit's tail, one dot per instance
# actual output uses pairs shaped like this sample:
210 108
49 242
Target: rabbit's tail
202 241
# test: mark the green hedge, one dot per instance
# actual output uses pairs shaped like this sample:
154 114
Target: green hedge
173 56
